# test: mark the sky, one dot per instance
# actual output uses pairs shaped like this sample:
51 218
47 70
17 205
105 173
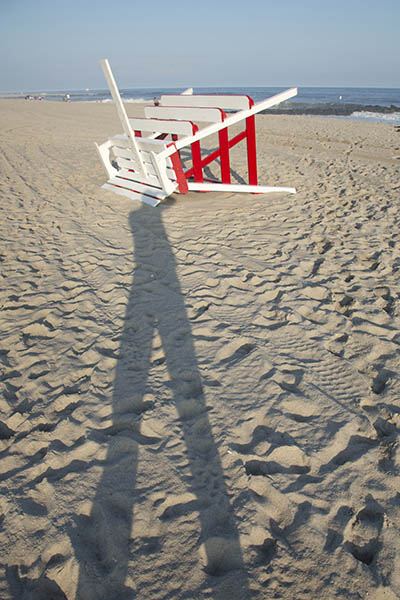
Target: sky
57 44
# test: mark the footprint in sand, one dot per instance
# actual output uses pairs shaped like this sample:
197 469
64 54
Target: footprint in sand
5 432
270 452
284 460
316 292
380 380
297 409
370 260
337 524
40 589
235 351
384 299
263 544
288 377
35 331
362 533
336 344
219 555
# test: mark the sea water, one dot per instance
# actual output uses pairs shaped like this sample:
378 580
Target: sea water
369 104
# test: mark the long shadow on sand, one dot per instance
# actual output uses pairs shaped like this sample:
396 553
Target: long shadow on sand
103 540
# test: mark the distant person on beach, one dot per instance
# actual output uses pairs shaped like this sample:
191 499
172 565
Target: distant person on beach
67 98
156 102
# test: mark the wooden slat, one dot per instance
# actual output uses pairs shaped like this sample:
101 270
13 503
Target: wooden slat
150 145
225 187
123 153
128 155
163 126
129 164
120 140
209 115
132 195
225 102
144 143
150 178
138 186
124 163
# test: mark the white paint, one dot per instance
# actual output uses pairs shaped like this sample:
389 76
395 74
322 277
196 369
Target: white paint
129 181
207 100
125 164
132 195
159 167
162 126
121 109
104 153
201 114
227 187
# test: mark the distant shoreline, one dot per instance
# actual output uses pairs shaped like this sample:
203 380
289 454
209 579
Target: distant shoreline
361 104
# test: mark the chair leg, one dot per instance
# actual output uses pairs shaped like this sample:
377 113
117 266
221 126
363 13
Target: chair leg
251 150
196 160
179 172
224 156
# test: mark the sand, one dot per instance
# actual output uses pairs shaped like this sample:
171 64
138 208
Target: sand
199 401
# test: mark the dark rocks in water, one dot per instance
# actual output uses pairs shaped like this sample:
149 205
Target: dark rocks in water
329 109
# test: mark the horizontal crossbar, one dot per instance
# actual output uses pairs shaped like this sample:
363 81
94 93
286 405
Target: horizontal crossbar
227 187
164 125
224 101
201 114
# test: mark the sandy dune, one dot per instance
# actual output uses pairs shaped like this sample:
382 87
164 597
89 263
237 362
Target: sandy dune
199 401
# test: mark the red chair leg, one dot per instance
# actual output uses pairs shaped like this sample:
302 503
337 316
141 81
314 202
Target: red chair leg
224 148
251 150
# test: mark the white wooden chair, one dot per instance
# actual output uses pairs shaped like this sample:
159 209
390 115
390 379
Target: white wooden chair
149 168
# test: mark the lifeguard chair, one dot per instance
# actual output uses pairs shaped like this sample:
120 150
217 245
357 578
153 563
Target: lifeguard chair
143 164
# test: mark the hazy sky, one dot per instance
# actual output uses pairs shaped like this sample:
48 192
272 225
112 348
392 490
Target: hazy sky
57 45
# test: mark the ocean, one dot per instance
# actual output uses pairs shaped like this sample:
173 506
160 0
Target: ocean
366 104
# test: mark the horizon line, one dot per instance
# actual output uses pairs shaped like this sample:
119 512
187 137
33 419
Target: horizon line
176 86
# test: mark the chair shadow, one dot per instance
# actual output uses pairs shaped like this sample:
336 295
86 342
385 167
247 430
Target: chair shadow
103 540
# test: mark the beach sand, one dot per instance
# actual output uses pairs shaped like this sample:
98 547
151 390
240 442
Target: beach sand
201 400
